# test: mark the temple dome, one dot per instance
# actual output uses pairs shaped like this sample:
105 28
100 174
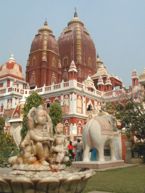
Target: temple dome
11 68
44 55
44 40
75 44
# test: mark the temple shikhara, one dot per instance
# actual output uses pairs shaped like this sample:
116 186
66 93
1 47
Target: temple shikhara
67 69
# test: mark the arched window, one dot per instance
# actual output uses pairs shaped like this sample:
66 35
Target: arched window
79 104
89 108
66 127
66 104
65 62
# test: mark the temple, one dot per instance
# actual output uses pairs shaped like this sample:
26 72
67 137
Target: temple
68 70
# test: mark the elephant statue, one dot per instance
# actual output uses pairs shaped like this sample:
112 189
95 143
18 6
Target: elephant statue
98 131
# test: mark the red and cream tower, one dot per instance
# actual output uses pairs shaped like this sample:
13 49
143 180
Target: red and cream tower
43 62
75 44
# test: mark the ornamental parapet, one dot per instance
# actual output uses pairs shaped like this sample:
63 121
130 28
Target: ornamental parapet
64 86
12 90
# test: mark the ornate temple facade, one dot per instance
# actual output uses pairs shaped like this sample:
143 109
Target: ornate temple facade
12 85
68 70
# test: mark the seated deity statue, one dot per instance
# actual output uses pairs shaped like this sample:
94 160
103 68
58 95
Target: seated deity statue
60 143
35 147
40 133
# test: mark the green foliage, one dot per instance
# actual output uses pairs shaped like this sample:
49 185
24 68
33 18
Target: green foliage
55 113
131 114
8 148
34 100
2 123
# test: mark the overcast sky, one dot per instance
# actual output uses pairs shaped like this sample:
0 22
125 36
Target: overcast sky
116 26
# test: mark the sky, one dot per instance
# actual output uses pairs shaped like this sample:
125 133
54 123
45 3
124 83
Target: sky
117 28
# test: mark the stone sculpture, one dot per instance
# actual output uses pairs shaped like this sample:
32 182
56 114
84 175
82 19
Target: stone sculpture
40 146
35 147
40 165
98 131
60 143
40 132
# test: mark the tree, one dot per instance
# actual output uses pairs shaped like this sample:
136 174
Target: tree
132 116
34 100
2 124
8 148
55 113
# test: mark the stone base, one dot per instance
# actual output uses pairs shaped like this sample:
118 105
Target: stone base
99 165
136 161
18 181
38 167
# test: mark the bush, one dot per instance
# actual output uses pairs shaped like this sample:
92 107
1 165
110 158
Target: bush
8 148
138 150
55 113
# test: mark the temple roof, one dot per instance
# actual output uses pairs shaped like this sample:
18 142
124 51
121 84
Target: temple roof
89 83
75 43
11 68
72 67
44 40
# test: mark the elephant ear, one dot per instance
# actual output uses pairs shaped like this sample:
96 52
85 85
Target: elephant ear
114 123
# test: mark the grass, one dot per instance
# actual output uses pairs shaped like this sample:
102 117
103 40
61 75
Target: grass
124 180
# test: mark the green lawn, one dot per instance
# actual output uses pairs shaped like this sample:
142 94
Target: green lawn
124 180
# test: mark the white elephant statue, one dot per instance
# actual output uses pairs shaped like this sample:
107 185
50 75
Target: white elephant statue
98 131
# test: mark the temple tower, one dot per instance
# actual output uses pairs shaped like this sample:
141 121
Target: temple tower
43 62
75 44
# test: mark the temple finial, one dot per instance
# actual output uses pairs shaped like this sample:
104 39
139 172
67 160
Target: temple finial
45 23
75 13
11 57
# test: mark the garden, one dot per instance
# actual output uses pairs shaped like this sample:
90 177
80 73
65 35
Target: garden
124 180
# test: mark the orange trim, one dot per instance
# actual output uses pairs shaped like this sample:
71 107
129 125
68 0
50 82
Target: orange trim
11 76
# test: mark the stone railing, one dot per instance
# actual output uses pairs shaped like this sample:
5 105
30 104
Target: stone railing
110 95
13 90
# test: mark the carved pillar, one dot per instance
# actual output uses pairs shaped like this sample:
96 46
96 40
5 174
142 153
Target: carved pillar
73 103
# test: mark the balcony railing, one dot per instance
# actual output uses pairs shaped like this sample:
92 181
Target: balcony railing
113 95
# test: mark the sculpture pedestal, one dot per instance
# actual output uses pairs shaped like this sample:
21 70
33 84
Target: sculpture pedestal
98 164
18 181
